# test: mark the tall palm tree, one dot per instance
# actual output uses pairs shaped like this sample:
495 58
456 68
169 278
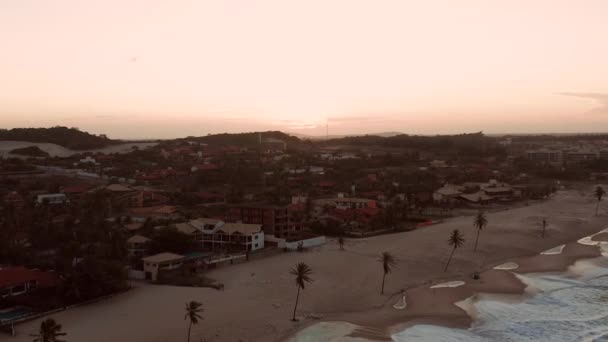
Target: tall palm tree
456 240
480 221
599 193
544 227
341 243
193 313
302 273
388 261
49 331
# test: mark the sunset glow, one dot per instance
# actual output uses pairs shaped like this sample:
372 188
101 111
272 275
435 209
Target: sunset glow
135 69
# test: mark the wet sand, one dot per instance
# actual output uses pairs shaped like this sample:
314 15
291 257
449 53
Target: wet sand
258 299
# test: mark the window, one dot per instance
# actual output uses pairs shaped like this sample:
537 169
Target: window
256 245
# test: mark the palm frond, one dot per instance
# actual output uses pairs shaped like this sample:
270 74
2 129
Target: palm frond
302 273
388 261
456 239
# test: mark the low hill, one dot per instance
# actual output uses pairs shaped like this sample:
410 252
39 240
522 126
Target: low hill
71 138
30 151
246 139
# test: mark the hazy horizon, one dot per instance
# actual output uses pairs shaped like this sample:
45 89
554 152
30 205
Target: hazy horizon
153 69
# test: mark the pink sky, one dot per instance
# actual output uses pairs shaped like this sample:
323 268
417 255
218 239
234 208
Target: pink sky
149 68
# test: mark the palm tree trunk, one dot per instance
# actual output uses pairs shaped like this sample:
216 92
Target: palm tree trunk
382 290
296 306
597 208
189 328
477 239
449 259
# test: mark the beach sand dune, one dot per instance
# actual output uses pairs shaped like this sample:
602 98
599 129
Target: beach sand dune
258 298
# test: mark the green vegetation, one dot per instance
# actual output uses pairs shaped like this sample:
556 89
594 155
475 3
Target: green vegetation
30 151
71 138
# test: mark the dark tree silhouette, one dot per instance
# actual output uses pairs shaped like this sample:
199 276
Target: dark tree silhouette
480 222
302 273
456 240
193 314
599 193
388 262
49 331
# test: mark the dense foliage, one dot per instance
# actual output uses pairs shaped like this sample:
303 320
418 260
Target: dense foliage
71 138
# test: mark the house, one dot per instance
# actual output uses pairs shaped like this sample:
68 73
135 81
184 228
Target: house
52 199
137 245
479 197
499 190
163 261
188 229
447 193
243 236
16 281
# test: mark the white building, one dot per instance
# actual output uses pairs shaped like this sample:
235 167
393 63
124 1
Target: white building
159 262
216 234
249 237
52 199
447 193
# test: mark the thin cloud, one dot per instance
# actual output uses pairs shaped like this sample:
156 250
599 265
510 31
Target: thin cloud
601 99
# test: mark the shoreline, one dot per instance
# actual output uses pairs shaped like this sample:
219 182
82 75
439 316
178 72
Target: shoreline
260 294
425 306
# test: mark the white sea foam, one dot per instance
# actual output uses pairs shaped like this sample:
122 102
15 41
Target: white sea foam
554 250
507 266
455 283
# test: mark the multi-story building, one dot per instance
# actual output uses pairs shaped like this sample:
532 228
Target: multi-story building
226 236
578 156
276 220
545 156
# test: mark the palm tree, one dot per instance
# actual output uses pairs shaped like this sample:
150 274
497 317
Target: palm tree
544 227
480 221
388 261
456 240
193 310
49 331
341 243
599 193
302 273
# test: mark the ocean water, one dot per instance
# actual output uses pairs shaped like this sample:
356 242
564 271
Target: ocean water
564 307
567 307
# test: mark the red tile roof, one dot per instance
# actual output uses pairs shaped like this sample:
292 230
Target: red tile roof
11 276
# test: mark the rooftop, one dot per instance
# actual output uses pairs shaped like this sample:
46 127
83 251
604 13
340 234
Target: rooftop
242 228
138 239
10 276
163 257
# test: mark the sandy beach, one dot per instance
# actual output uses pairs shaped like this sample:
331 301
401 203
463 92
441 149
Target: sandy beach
259 295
